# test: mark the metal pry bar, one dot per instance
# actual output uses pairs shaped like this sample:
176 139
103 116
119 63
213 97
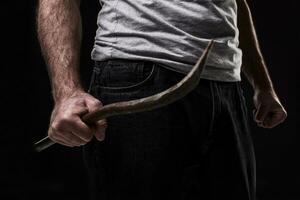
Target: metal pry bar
174 93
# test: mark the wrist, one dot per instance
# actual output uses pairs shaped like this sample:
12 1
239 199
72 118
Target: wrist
65 93
263 89
265 92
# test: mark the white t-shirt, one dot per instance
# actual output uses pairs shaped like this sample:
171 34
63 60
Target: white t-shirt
172 33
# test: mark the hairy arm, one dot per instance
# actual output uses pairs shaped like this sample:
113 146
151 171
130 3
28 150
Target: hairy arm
269 112
59 32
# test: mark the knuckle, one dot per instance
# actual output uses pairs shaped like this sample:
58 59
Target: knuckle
79 102
89 137
54 126
102 123
53 137
51 134
96 102
57 127
82 132
65 119
52 131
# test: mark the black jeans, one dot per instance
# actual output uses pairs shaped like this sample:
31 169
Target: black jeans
196 148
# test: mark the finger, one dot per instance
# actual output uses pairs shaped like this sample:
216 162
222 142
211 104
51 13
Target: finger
59 141
66 137
273 119
100 126
254 112
81 130
261 113
99 129
72 138
93 104
71 107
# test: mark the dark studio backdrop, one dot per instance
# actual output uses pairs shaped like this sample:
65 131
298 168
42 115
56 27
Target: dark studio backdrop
58 172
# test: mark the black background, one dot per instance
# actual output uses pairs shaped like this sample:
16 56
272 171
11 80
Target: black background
58 172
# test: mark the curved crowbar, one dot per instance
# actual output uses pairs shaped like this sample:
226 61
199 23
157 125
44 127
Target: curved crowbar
174 93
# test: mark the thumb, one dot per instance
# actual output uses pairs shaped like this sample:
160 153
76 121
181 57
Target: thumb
93 104
99 127
261 113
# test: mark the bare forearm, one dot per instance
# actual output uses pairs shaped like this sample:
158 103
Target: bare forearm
254 66
59 33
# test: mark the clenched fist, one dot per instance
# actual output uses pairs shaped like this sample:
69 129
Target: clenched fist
268 111
66 126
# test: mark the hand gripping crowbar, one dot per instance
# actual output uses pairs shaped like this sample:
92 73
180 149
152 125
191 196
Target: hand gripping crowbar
174 93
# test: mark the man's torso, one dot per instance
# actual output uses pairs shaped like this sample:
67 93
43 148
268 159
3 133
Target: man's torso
173 33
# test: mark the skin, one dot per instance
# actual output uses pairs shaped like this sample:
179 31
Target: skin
268 111
59 32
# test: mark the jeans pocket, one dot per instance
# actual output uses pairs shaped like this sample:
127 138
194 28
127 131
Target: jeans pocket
118 76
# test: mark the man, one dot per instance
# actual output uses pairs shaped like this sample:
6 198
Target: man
196 148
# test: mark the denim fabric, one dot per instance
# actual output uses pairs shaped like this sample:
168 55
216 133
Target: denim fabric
199 147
